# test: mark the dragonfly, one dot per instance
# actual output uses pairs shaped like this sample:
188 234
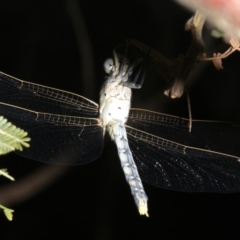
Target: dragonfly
156 148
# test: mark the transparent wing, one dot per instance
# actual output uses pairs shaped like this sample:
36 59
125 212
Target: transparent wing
44 99
183 167
210 135
57 139
63 126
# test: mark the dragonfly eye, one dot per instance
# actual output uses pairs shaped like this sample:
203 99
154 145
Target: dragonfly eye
108 65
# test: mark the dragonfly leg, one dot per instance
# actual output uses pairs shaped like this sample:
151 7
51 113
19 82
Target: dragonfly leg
139 77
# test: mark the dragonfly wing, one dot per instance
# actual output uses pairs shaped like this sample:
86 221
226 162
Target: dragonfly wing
44 99
55 138
210 135
169 165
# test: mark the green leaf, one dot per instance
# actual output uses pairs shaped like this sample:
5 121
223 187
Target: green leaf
11 137
8 212
4 173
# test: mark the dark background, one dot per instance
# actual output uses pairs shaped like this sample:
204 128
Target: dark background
40 42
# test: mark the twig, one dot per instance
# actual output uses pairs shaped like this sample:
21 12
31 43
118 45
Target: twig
31 185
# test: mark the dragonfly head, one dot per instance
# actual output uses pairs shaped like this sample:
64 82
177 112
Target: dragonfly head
122 66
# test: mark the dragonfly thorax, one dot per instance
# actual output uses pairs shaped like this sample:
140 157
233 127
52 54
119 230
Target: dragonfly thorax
115 103
115 95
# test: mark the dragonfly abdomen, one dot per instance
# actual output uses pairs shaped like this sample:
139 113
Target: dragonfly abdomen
118 133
